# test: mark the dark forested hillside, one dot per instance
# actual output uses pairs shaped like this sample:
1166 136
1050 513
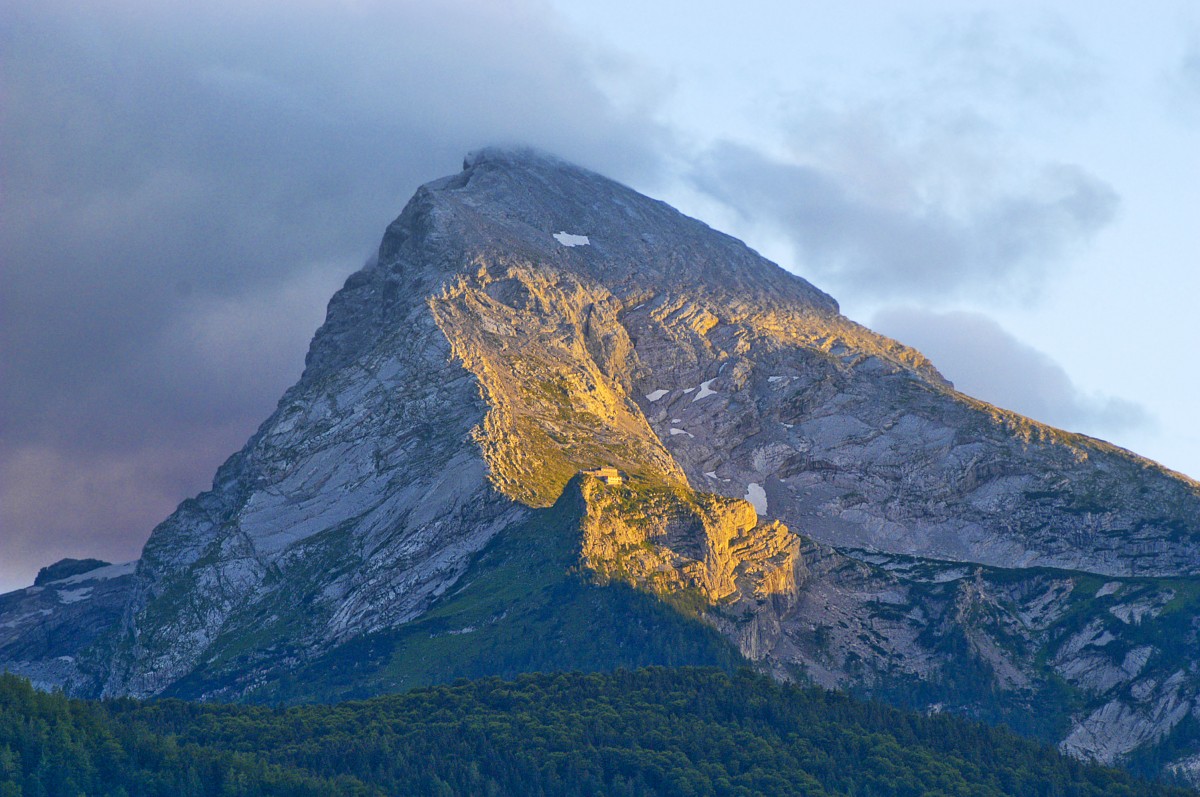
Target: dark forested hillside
647 732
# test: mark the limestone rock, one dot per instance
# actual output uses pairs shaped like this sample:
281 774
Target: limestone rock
815 491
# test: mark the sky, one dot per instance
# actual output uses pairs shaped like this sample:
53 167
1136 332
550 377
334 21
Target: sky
1011 187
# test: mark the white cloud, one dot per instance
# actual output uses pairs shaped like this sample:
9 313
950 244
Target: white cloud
872 244
985 361
1184 83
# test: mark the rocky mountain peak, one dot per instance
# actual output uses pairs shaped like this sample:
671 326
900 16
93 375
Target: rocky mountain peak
518 200
814 491
527 319
520 156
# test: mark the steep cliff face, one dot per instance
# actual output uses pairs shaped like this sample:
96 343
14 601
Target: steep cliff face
858 447
701 551
1105 666
357 503
553 365
816 492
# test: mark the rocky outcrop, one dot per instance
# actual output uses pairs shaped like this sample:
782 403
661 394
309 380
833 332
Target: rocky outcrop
860 449
757 380
1120 726
553 364
65 568
707 554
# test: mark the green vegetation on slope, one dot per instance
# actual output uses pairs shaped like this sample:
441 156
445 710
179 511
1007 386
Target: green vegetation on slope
522 606
649 732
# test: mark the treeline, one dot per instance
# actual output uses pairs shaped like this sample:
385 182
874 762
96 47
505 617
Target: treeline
654 731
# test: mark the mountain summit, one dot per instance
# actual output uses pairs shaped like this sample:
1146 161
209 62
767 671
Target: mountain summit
544 376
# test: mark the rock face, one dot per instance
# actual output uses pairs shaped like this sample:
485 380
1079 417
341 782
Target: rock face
65 568
813 490
683 545
46 629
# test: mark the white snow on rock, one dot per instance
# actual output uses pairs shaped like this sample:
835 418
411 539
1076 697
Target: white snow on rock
690 390
677 420
776 378
705 390
675 431
712 474
567 239
757 497
656 395
99 574
74 595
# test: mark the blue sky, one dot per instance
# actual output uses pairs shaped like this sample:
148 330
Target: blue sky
1014 185
1011 189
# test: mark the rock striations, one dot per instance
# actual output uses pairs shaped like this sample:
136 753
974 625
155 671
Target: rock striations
814 491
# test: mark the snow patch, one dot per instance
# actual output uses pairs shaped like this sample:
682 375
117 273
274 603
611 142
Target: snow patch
712 474
675 431
656 395
705 390
757 497
100 573
567 239
690 390
776 378
74 595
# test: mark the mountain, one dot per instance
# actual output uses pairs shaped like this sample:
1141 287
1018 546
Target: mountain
435 496
72 605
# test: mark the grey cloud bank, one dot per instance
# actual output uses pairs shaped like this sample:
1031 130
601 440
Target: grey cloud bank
183 191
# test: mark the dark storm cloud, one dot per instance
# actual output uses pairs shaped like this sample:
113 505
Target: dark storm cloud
985 361
851 236
185 186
